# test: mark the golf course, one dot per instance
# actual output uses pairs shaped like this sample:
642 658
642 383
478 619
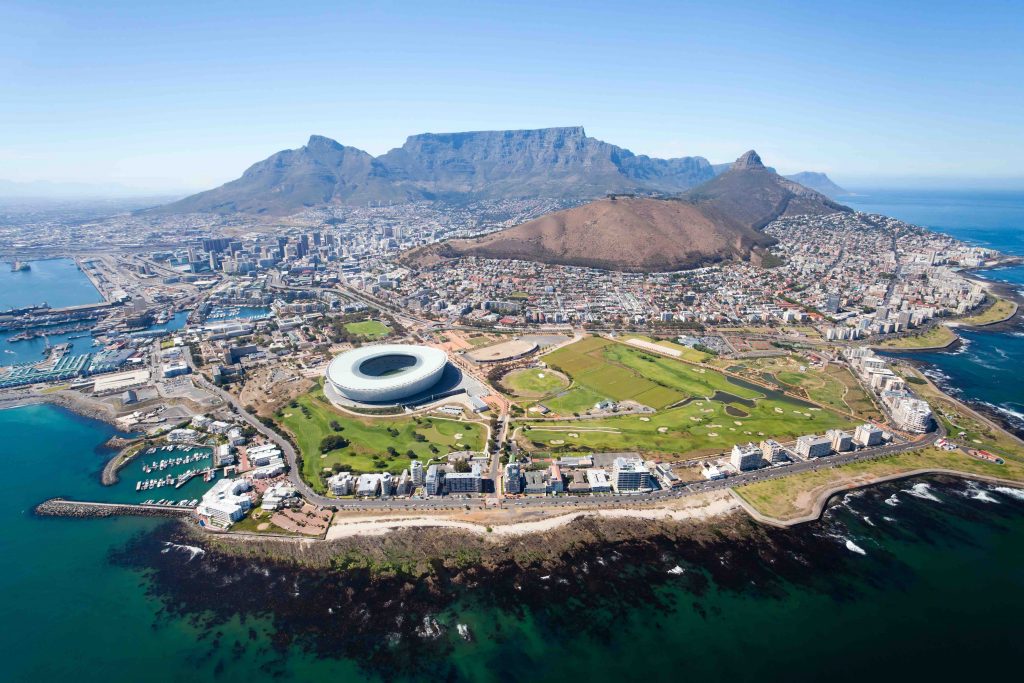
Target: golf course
698 409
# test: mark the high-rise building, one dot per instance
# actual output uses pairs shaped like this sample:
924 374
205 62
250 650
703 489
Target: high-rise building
513 478
629 475
812 446
841 441
867 435
416 470
745 458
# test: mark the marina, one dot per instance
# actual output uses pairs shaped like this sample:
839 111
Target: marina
181 474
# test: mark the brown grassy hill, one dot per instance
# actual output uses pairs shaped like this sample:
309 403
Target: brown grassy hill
720 220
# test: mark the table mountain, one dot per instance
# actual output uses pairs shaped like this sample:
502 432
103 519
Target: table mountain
548 162
718 220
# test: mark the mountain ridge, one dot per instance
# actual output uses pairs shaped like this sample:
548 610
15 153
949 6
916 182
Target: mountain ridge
720 219
560 162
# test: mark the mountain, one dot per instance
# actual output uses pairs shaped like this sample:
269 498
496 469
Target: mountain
718 220
818 181
548 162
811 179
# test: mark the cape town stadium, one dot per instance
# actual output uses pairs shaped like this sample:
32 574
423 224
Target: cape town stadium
386 373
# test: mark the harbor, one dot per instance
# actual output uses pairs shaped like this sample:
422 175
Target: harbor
166 475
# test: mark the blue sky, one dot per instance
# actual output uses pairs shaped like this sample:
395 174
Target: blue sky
186 95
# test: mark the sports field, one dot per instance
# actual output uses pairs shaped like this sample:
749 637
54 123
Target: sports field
371 329
534 382
370 438
718 414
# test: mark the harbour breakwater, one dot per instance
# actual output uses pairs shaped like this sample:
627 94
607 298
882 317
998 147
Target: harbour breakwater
58 507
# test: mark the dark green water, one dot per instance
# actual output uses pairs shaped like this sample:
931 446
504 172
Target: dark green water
936 596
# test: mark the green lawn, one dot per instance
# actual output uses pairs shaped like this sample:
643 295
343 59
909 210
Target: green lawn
369 438
1000 310
576 400
940 335
534 382
371 329
601 368
606 369
700 427
790 497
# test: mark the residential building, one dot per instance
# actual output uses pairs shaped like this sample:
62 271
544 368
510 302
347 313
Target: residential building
745 458
812 446
772 451
867 435
841 441
629 475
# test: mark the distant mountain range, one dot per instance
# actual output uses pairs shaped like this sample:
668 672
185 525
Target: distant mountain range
456 167
718 220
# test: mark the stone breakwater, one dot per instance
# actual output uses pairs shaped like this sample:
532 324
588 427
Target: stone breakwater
57 507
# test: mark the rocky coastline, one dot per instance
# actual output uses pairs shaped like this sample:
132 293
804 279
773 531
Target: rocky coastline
392 603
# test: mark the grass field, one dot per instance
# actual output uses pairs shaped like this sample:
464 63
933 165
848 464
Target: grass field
371 329
719 414
534 382
1000 310
692 355
369 438
698 428
940 335
791 497
576 400
606 369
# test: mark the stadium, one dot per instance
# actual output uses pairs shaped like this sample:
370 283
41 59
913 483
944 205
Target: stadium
386 373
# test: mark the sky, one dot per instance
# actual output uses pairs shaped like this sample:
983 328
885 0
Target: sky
185 95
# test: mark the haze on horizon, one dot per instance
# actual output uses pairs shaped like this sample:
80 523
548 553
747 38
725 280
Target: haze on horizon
186 96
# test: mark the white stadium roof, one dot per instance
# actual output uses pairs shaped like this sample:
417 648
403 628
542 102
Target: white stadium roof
386 372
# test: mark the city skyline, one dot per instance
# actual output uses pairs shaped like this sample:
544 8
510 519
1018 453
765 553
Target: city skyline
870 95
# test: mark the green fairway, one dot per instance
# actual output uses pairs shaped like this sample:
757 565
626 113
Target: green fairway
700 427
576 400
534 382
371 329
609 370
369 438
718 411
831 386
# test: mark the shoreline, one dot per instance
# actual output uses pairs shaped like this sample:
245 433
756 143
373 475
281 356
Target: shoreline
820 503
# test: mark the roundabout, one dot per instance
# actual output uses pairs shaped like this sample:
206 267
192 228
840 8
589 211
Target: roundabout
386 373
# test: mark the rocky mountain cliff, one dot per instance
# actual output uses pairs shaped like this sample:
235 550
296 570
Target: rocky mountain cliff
819 182
548 162
718 220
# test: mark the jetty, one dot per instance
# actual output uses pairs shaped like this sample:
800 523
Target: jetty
59 507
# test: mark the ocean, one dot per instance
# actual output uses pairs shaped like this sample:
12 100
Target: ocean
906 581
913 580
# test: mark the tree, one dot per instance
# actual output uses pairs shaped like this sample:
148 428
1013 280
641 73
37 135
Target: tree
332 442
336 426
462 465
